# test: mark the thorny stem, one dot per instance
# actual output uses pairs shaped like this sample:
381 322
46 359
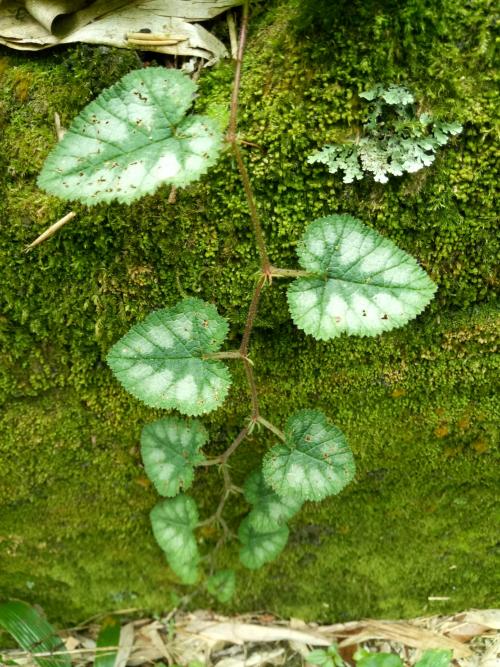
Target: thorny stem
254 216
235 444
233 119
266 273
233 140
252 312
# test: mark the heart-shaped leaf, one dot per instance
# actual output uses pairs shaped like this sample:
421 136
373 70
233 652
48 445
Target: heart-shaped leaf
162 361
270 511
173 522
131 139
222 585
260 547
314 462
361 283
170 449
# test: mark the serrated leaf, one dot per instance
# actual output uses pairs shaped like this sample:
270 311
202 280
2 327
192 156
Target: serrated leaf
170 450
380 660
173 522
260 548
435 658
161 360
131 139
222 585
361 284
270 511
33 633
314 462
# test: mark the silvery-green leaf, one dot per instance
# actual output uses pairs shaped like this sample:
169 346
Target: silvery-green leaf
131 139
173 522
258 547
170 448
361 282
222 585
314 462
269 509
161 361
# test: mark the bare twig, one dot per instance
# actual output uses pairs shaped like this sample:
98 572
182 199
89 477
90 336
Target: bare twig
233 37
51 230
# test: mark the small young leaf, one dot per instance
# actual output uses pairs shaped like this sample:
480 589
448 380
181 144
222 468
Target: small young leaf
380 660
435 658
314 462
173 522
170 449
33 633
320 657
260 548
270 511
363 283
222 585
161 360
131 139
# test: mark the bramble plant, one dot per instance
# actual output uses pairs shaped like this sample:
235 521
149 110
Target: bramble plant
394 139
134 137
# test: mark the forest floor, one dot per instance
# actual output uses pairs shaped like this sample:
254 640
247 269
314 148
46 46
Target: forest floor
203 638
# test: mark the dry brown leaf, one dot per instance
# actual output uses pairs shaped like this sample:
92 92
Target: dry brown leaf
40 24
406 633
491 658
125 645
489 618
239 633
148 644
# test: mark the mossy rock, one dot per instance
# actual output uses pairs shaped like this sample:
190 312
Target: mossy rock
416 404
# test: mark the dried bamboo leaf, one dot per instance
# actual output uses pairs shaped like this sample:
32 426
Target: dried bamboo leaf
239 633
408 634
40 24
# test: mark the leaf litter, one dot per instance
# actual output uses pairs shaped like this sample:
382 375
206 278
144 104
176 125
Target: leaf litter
254 640
164 26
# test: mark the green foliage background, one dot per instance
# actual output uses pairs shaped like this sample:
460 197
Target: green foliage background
417 405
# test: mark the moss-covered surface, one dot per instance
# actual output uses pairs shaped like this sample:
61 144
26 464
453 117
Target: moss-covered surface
417 405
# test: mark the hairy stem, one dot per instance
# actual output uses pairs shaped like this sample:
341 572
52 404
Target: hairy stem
233 119
276 272
230 354
233 140
271 427
266 268
252 312
235 444
253 389
254 215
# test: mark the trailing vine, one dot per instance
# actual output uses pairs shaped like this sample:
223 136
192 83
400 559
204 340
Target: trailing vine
135 136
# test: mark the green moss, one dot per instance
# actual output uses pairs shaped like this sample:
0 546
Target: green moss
417 404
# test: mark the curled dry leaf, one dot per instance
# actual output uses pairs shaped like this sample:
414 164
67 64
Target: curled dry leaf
171 25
